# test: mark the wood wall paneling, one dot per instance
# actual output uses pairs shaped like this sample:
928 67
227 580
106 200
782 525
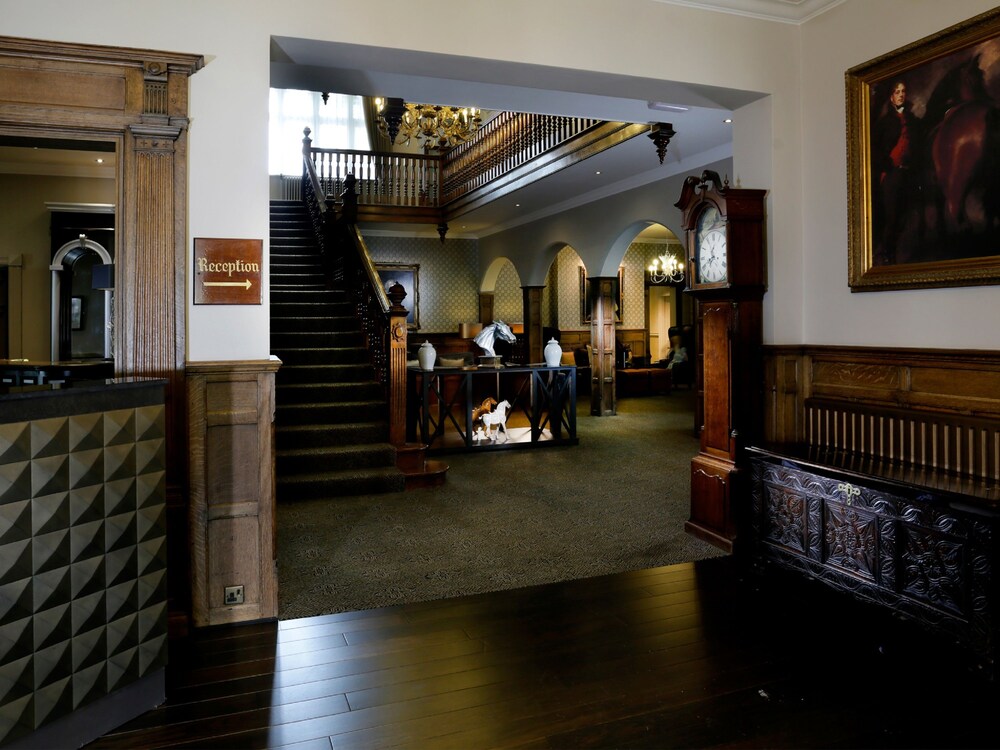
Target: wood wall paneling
935 389
231 413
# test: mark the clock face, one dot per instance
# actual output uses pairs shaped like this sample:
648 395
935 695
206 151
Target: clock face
710 247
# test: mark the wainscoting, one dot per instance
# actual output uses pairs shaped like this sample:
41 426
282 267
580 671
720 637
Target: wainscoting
231 407
934 382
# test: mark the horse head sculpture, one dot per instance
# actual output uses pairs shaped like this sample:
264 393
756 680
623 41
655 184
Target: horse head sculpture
488 336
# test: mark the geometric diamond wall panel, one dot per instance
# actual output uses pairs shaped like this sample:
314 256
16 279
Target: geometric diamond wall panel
86 468
15 481
15 561
15 521
119 496
86 504
15 442
119 427
86 432
50 437
49 475
49 513
82 560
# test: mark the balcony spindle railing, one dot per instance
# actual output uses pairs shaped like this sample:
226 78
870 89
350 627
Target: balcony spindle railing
508 141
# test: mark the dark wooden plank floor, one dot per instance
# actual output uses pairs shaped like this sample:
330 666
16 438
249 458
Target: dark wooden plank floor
693 655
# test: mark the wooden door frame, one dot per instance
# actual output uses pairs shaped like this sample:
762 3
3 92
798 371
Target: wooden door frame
137 99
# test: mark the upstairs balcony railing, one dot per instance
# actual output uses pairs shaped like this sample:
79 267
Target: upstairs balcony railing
511 143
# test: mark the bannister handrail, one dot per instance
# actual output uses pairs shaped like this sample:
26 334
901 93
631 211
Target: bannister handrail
309 169
368 265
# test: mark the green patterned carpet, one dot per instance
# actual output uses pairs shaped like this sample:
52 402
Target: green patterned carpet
503 519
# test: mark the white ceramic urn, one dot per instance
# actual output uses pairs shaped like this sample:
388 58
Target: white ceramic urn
426 355
553 353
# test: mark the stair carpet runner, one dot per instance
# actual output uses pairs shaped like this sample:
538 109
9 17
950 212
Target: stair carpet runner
331 413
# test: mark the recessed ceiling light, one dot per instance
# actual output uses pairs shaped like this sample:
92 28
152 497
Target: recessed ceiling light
728 120
517 205
664 107
99 160
597 172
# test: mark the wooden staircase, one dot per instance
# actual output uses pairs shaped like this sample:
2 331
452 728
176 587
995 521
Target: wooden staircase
331 413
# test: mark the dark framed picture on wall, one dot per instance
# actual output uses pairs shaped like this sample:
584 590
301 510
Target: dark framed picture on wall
409 277
587 300
924 162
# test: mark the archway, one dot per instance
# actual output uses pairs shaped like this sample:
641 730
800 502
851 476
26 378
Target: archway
81 312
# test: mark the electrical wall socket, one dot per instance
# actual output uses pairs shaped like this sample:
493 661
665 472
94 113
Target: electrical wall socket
234 595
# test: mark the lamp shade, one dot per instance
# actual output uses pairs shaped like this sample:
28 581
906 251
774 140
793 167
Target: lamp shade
469 330
103 276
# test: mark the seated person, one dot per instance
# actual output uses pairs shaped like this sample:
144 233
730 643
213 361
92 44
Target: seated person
677 352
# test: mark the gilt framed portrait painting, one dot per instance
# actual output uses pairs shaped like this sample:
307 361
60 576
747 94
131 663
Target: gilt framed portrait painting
924 162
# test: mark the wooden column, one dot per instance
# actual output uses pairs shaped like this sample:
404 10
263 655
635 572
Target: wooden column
533 322
397 368
232 502
486 300
602 341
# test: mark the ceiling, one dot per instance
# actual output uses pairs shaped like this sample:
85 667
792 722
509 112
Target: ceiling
703 133
702 136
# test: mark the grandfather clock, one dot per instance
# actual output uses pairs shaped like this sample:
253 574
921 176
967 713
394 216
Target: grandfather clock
724 235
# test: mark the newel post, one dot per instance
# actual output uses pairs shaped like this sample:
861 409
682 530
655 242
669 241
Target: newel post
396 380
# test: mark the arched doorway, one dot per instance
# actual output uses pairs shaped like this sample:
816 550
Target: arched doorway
81 308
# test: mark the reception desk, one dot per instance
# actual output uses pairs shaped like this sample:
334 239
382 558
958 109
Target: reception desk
40 372
83 597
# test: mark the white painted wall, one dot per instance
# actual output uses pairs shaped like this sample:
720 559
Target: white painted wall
792 143
849 35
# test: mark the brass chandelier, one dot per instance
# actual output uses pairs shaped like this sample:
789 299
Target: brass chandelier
438 127
666 269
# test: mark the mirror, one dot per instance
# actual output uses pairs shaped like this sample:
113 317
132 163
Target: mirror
52 191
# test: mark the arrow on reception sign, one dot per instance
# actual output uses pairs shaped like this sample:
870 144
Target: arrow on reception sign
245 284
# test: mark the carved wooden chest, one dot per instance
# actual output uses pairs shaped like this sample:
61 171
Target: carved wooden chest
926 552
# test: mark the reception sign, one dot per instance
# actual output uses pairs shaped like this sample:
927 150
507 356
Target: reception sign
227 272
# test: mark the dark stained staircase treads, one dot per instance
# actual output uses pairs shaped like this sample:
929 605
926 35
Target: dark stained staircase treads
331 414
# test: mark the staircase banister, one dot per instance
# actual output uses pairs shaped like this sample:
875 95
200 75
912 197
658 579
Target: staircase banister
431 158
310 170
369 267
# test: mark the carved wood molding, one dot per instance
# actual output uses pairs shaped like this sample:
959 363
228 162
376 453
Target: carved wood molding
138 100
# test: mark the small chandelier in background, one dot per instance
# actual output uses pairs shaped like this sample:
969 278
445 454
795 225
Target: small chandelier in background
439 127
666 269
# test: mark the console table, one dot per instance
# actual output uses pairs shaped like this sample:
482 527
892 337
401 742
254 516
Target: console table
921 542
542 406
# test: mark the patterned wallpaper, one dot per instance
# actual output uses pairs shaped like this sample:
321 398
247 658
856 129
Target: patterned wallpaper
449 284
508 299
565 272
